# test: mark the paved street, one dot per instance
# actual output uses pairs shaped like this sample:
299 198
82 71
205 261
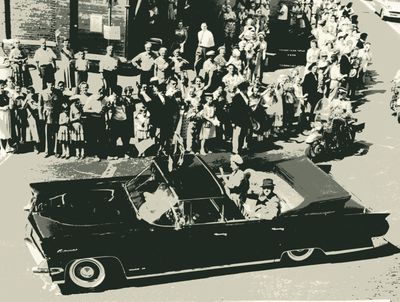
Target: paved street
372 176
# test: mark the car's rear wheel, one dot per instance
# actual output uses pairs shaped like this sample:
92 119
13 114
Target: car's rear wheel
88 273
300 255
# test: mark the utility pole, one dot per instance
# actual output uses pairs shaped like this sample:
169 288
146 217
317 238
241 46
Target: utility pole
110 4
127 24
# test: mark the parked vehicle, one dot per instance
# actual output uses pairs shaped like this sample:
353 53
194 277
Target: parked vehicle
387 8
395 101
81 232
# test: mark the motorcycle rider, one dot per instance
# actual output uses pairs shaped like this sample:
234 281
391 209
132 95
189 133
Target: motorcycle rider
341 107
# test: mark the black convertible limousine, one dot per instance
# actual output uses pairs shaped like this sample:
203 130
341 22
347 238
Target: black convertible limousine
165 221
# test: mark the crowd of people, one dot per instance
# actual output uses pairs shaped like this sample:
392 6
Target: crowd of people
224 105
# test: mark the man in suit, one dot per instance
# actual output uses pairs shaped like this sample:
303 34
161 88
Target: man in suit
310 87
164 112
240 117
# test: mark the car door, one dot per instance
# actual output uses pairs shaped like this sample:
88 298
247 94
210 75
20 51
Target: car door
156 248
219 239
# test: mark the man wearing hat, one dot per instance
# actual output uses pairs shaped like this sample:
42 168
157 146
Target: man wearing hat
145 61
45 60
268 204
237 183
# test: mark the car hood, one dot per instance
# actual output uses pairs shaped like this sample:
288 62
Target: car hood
320 191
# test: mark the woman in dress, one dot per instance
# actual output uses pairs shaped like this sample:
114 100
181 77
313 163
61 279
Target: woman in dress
180 38
5 121
20 70
67 64
210 122
32 107
261 57
76 129
312 54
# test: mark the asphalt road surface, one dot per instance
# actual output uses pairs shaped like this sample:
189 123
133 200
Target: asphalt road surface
372 176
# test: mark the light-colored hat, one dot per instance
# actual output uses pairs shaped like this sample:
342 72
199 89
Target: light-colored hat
210 53
237 159
236 52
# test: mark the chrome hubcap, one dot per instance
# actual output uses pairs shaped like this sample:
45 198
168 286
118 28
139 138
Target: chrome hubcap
87 272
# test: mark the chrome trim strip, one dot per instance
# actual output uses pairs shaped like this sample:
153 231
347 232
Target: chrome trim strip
348 251
205 269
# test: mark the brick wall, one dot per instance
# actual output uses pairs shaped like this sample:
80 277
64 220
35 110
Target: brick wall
35 19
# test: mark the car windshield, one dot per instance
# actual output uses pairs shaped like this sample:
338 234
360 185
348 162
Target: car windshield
153 199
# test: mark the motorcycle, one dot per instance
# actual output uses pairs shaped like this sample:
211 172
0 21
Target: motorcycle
395 101
330 138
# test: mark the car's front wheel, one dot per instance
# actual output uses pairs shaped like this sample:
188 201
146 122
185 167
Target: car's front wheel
300 255
88 273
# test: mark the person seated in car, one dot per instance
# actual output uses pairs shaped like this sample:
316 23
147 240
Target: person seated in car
237 183
268 205
157 203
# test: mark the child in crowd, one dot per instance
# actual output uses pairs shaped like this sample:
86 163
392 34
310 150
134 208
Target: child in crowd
76 132
63 133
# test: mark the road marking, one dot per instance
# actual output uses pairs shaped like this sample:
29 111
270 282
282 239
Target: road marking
370 5
109 171
5 159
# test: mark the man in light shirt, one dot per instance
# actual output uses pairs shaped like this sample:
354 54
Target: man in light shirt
145 62
206 43
45 60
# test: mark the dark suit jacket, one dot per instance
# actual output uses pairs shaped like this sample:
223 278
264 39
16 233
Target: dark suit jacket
310 86
345 65
240 112
163 115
